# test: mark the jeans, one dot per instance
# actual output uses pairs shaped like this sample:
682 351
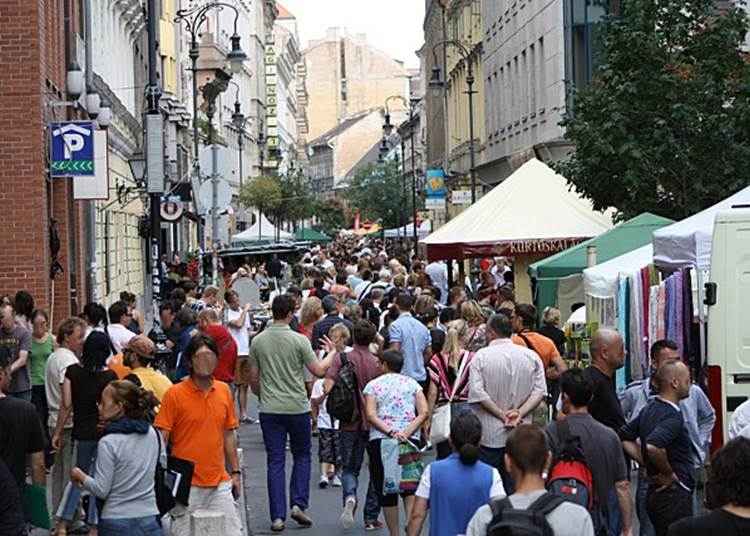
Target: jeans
496 458
647 528
132 526
85 455
668 506
22 395
353 445
275 428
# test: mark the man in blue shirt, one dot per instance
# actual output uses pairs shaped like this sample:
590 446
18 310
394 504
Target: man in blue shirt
696 409
665 448
412 338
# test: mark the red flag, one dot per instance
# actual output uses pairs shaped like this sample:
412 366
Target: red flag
356 223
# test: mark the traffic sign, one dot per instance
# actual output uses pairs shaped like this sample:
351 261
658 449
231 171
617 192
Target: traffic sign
72 149
171 209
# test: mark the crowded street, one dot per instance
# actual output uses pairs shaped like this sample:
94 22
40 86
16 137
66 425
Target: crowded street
408 268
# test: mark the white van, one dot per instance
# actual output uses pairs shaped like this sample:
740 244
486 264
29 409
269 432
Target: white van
728 300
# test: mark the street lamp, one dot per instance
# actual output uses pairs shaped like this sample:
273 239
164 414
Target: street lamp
411 105
194 18
239 120
437 85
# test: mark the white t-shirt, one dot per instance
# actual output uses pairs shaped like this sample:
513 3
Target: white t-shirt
497 491
499 275
324 419
54 376
240 335
119 335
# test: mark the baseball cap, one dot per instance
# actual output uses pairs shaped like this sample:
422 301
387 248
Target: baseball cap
141 346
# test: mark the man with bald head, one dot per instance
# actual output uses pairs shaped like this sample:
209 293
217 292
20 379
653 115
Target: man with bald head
665 448
607 355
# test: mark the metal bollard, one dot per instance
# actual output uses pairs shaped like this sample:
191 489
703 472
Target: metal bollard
207 523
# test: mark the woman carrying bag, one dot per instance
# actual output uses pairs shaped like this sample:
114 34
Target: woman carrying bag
126 463
448 394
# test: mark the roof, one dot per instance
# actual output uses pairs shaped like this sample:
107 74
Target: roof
340 128
311 235
370 156
532 212
284 13
619 240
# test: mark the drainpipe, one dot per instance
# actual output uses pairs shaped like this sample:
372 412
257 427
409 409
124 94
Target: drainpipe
89 207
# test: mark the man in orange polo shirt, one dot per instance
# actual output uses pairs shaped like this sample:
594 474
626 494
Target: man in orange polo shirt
198 416
524 321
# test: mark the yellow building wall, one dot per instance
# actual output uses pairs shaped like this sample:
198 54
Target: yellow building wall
167 46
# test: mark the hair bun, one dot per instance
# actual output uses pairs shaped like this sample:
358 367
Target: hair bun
469 454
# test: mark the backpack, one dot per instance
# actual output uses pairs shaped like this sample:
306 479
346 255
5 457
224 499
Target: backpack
570 476
343 400
509 521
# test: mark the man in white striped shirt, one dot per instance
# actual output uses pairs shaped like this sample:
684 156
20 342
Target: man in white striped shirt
506 383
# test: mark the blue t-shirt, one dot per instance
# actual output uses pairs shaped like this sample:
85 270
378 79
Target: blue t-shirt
413 337
661 425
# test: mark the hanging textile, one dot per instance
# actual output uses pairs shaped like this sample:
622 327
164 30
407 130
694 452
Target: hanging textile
687 317
678 303
636 322
662 297
645 296
653 315
624 374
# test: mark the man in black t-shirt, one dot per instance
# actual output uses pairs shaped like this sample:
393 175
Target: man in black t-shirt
21 431
607 355
727 491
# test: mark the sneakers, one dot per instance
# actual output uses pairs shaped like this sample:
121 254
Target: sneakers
336 481
323 482
247 420
375 525
347 516
277 525
301 517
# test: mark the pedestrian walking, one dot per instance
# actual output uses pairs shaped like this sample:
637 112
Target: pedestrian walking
696 410
527 458
136 319
82 391
42 346
127 454
451 507
139 354
471 313
18 340
334 309
665 448
354 434
118 329
412 339
70 337
727 494
197 416
396 408
278 357
506 383
449 377
600 447
328 438
238 321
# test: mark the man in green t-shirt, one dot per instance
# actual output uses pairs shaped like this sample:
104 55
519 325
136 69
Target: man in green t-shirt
278 357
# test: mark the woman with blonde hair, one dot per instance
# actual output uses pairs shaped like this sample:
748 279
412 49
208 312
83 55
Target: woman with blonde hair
472 314
126 462
312 312
449 376
550 329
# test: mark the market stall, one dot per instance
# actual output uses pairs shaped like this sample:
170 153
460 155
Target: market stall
529 216
559 278
407 231
261 230
311 235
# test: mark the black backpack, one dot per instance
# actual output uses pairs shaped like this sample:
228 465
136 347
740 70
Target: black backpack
343 400
509 521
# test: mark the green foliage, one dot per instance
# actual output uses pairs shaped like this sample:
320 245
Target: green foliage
296 203
376 193
332 216
665 127
263 193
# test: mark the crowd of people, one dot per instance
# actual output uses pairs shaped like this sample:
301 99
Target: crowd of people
378 355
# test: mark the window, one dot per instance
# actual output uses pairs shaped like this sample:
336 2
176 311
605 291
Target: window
582 41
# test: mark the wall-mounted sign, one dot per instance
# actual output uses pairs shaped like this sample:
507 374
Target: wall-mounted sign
72 149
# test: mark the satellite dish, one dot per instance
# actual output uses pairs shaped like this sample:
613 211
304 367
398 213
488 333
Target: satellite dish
247 290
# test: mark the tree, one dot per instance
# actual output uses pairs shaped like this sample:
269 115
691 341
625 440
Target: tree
263 193
332 216
296 201
665 125
376 193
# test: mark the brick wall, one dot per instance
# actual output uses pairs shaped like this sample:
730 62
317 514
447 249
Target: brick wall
32 73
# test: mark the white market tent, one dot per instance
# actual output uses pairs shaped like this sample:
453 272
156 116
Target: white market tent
532 212
601 281
688 242
408 230
262 229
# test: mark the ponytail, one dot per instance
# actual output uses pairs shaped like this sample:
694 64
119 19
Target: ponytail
457 331
469 454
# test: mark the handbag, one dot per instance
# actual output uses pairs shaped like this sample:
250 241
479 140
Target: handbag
441 417
165 500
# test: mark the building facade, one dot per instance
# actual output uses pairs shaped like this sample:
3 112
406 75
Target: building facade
345 76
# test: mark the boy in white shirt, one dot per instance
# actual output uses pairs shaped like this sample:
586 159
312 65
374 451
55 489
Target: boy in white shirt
328 438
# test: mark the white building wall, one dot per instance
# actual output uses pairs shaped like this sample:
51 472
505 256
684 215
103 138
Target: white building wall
524 69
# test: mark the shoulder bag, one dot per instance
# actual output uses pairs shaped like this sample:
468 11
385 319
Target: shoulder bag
441 417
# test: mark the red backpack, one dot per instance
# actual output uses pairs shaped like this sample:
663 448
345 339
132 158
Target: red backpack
570 476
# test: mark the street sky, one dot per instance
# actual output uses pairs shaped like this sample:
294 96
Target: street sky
393 26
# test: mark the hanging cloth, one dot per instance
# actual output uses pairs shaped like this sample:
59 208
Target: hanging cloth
678 304
624 375
662 299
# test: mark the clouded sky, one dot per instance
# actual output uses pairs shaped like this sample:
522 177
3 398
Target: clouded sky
393 26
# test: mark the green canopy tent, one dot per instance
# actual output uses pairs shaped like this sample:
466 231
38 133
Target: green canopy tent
559 277
311 235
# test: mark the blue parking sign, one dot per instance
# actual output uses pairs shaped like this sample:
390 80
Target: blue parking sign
72 146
